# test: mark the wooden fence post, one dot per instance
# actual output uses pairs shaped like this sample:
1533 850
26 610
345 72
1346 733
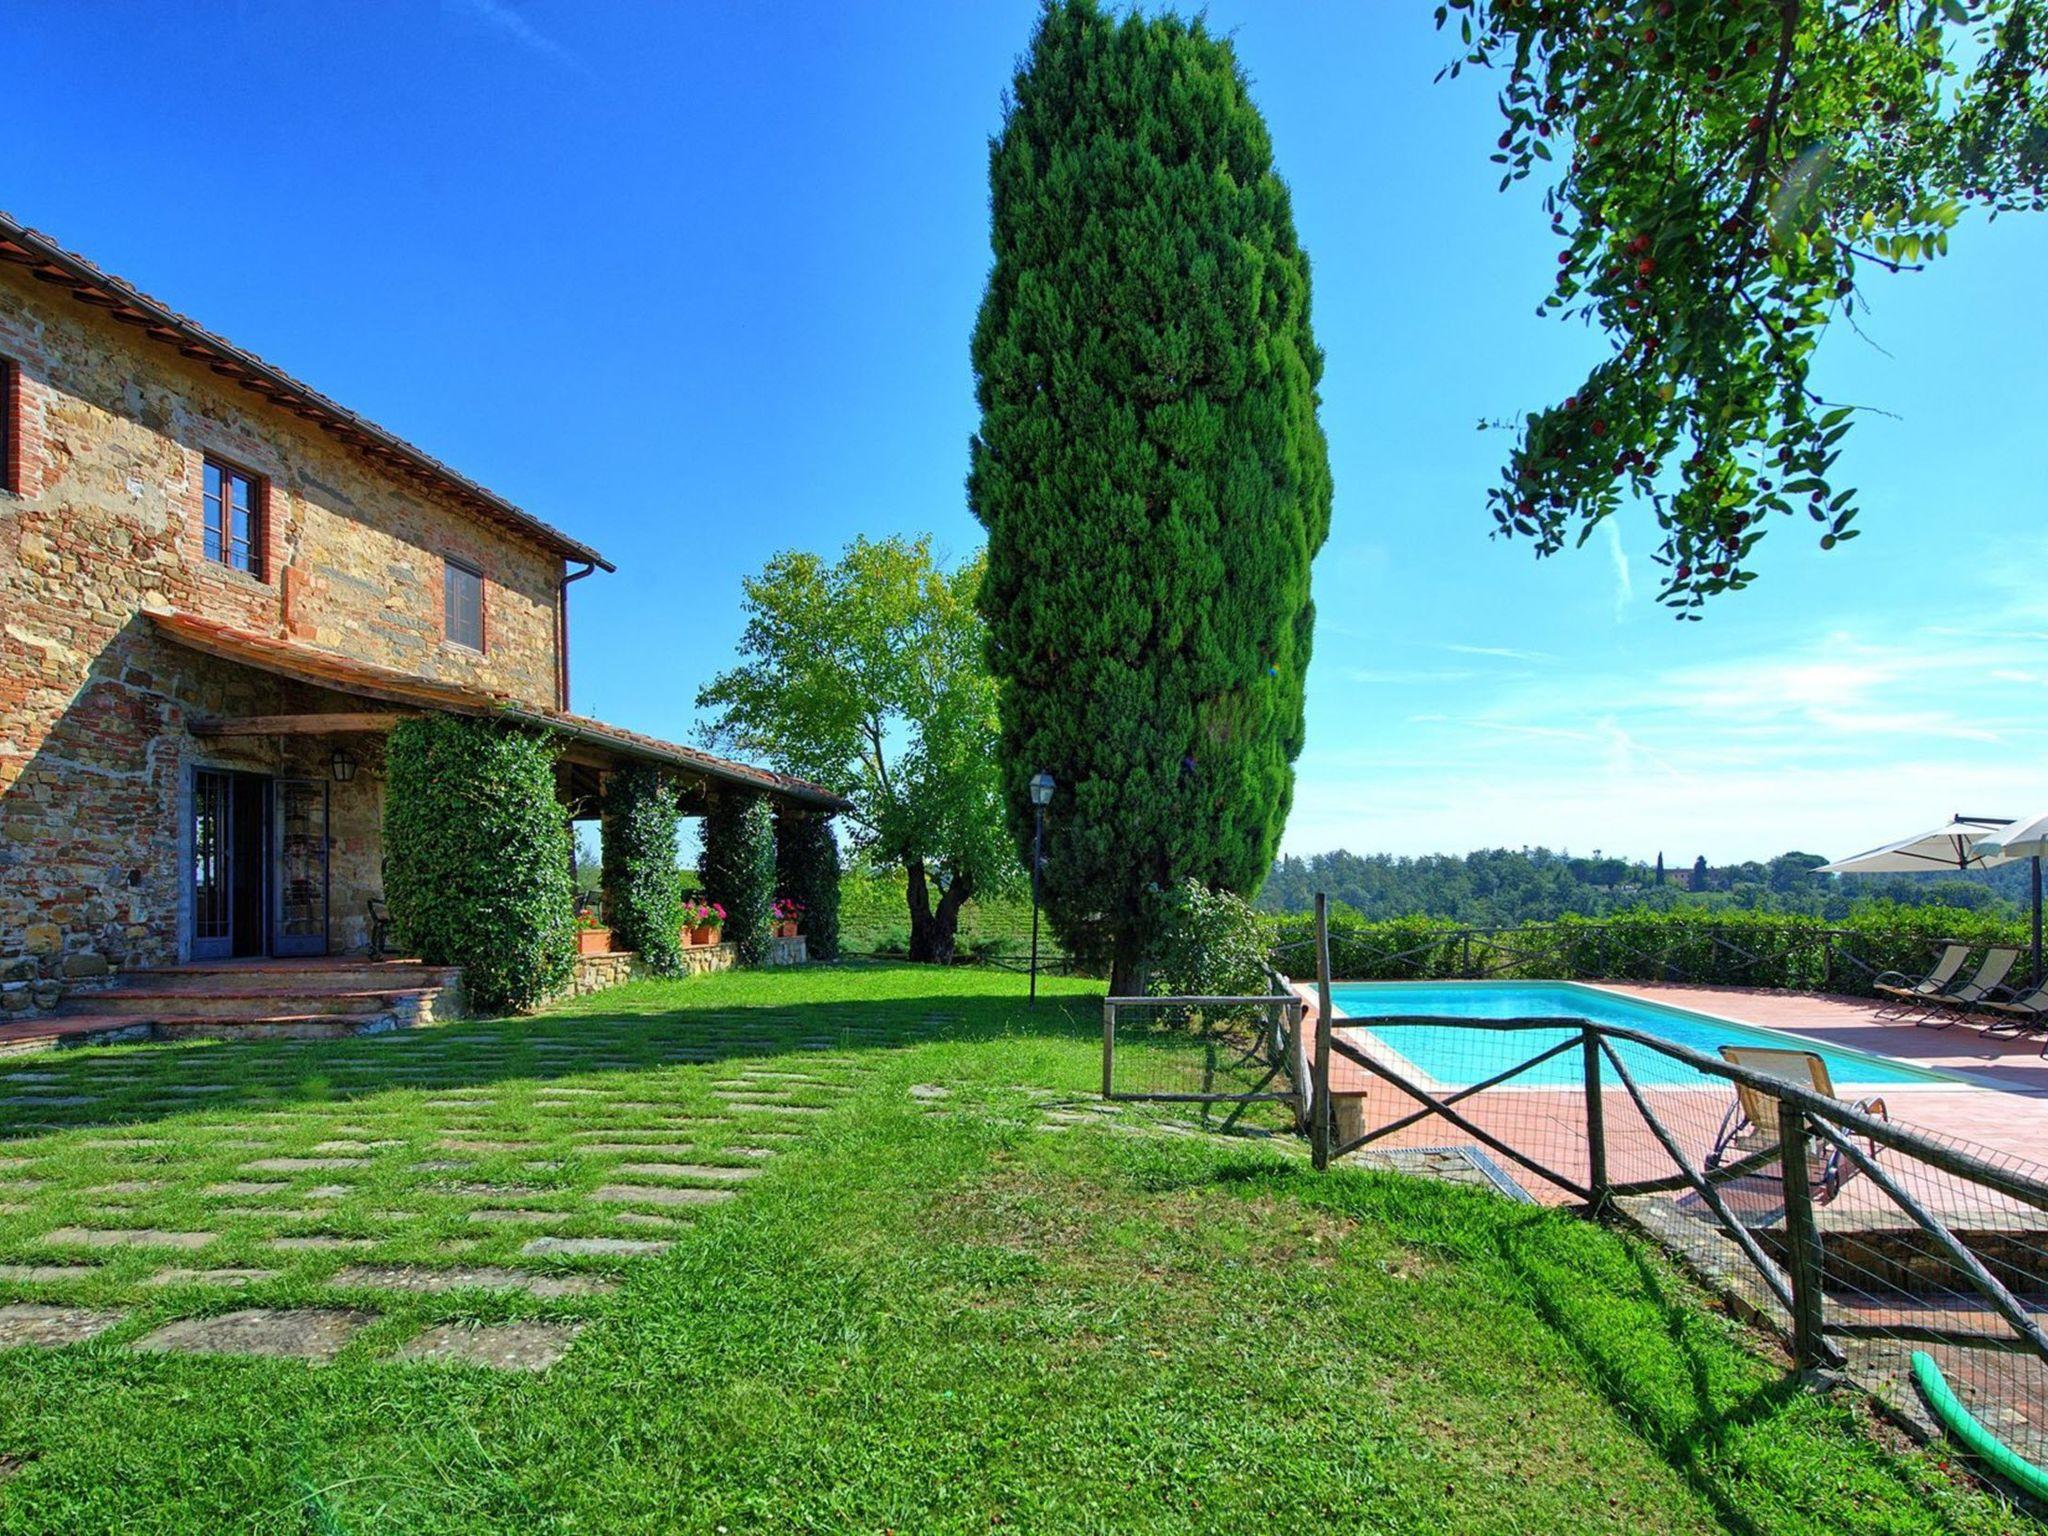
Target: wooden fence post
1804 1260
1596 1125
1108 1047
1319 1108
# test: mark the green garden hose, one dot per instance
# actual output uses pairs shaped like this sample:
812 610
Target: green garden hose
1960 1422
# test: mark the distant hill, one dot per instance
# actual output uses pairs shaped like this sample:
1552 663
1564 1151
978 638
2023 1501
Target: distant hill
1501 886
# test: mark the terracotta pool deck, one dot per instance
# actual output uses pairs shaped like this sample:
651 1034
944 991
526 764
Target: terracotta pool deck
2002 1108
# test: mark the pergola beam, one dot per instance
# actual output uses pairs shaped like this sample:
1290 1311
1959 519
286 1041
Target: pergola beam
329 724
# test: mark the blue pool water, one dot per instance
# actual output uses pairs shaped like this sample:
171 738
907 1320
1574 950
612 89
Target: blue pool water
1457 1057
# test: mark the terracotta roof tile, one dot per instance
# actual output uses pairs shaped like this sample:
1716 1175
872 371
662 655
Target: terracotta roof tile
48 260
365 679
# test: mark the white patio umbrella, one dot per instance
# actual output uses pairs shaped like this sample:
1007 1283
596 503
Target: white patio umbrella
2024 839
1952 846
1961 844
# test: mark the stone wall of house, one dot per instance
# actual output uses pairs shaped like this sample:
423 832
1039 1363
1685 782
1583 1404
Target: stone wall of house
106 521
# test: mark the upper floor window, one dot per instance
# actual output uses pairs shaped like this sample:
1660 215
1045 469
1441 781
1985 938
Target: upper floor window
463 605
234 518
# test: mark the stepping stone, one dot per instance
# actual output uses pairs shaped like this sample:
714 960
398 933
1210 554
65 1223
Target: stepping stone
643 1219
703 1171
247 1187
193 1090
635 1149
321 1243
48 1101
311 1333
355 1146
236 1278
493 1191
442 1165
411 1277
329 1191
494 1346
929 1091
24 1186
658 1194
463 1144
126 1237
52 1327
305 1164
588 1247
47 1274
516 1218
121 1187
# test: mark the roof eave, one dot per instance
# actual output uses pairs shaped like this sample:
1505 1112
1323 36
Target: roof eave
51 263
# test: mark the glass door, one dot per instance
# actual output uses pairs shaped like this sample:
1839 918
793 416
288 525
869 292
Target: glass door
300 921
213 912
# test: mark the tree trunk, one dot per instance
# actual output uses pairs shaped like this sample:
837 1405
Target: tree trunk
917 892
1124 961
946 919
932 930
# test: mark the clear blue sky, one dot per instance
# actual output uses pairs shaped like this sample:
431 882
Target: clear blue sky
695 280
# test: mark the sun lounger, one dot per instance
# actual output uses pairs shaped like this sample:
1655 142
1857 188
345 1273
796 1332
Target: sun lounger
1749 1131
2022 1015
1950 1006
1898 984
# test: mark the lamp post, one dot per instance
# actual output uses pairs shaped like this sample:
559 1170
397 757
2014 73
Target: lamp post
1041 797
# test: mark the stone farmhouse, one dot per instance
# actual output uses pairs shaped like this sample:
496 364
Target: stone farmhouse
218 590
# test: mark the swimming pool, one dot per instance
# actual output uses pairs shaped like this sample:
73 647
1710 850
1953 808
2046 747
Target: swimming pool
1456 1057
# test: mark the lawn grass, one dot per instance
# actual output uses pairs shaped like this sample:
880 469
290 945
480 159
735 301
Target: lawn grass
930 1312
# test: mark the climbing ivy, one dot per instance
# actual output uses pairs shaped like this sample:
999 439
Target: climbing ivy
737 868
476 857
807 871
643 886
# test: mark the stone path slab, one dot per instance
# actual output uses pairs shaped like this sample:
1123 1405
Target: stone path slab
658 1194
305 1164
236 1278
47 1274
31 1323
126 1237
494 1346
592 1247
320 1244
247 1187
308 1333
415 1277
709 1173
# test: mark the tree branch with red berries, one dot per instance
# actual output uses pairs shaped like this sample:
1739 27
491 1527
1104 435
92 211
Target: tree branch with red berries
1721 175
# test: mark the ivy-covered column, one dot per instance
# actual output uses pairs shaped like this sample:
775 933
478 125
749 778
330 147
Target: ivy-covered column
737 868
807 872
476 857
643 888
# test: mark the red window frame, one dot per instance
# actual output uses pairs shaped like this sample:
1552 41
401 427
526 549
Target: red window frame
218 509
10 426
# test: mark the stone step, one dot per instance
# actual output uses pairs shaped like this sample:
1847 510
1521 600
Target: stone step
241 1002
285 976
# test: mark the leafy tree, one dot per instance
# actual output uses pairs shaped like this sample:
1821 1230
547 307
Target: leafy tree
868 677
1700 878
476 862
737 867
642 884
1149 468
1722 178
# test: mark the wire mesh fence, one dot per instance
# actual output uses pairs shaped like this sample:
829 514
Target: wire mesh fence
1232 1060
1915 1262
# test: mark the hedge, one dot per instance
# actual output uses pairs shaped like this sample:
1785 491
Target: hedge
1755 949
737 868
476 857
643 888
807 872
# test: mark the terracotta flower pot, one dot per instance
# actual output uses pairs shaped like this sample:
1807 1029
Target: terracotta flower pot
593 941
703 935
785 930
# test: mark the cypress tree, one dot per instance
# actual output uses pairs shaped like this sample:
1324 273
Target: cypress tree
1149 469
807 871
